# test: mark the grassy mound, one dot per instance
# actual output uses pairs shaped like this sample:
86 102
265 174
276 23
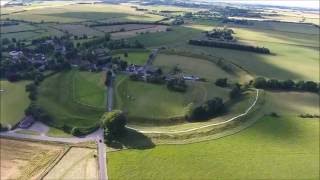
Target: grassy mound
148 102
274 148
89 89
60 97
14 100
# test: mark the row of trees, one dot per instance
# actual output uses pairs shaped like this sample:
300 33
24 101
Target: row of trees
274 84
126 22
174 84
112 44
34 110
235 46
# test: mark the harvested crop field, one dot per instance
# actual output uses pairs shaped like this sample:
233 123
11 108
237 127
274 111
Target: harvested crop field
24 159
78 163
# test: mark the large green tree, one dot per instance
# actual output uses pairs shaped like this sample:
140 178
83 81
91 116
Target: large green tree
114 124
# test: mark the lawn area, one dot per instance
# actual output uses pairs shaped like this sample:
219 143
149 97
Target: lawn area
151 102
14 100
58 96
134 57
273 148
191 66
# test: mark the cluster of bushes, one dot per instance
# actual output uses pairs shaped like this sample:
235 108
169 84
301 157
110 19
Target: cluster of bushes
222 82
156 79
38 113
177 84
227 45
235 92
177 21
309 116
218 33
209 109
274 84
13 73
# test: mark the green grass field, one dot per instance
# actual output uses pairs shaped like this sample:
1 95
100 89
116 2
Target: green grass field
178 35
150 101
295 55
135 57
289 48
14 100
89 89
59 96
192 66
274 148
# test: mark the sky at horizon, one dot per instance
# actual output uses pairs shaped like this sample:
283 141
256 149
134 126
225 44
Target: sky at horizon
314 4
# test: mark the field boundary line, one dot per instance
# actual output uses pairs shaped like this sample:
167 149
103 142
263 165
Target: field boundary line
201 127
54 163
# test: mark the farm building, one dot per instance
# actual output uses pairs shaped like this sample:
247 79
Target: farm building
15 55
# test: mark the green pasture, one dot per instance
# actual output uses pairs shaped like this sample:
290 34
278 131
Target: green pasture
178 35
14 100
292 103
273 148
295 56
191 66
134 57
59 94
155 102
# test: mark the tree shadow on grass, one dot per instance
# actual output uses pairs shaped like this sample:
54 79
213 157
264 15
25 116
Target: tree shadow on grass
133 140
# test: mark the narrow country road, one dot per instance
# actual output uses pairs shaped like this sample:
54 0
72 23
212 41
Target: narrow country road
91 137
102 153
110 95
